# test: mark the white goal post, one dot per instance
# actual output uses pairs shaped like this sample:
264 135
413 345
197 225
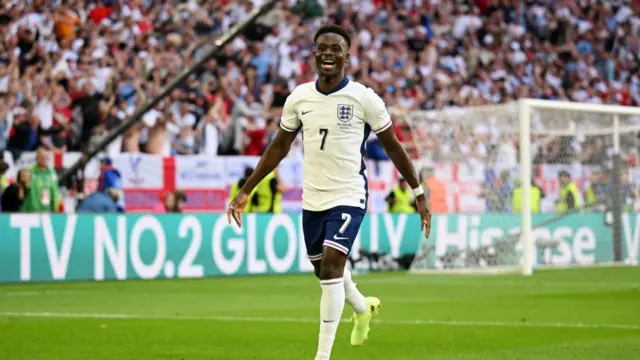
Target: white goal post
584 141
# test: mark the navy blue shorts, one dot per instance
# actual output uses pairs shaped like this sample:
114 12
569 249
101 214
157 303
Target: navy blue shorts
336 228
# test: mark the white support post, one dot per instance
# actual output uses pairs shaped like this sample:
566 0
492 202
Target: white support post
524 115
616 133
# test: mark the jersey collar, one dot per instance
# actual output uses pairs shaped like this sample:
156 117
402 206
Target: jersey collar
339 87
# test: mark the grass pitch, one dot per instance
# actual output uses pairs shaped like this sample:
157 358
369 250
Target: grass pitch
569 314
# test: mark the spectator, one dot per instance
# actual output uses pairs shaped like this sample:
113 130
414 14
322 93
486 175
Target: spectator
569 198
536 194
186 121
87 101
24 133
425 55
109 176
84 66
270 132
4 181
6 104
159 130
173 203
505 191
102 202
13 197
180 198
436 191
44 194
209 130
255 135
110 179
235 189
400 199
268 195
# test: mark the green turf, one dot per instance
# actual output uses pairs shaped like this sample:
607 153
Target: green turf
570 314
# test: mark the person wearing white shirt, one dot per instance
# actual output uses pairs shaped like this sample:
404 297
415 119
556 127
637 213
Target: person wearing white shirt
336 116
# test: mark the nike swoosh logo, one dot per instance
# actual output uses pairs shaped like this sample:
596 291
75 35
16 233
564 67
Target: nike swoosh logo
327 321
306 112
336 237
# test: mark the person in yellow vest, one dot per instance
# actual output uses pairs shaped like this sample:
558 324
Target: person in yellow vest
268 195
536 195
235 188
4 179
400 199
569 198
591 194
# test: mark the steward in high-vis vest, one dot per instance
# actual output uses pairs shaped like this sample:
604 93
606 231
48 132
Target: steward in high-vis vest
569 194
400 199
235 189
536 195
590 196
4 179
268 196
599 191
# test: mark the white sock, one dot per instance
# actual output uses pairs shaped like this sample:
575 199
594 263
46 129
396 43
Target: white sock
353 296
331 306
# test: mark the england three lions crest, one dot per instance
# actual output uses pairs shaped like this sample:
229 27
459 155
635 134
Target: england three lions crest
345 112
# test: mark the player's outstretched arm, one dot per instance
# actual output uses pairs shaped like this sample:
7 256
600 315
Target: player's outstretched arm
403 163
275 152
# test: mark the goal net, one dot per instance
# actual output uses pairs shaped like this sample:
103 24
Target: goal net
528 184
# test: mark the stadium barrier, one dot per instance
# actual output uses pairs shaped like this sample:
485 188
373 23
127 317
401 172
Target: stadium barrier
206 180
37 248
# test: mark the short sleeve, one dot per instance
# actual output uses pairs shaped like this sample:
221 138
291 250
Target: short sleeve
376 112
289 120
150 118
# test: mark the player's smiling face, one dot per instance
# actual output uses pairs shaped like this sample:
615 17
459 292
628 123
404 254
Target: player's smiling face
331 54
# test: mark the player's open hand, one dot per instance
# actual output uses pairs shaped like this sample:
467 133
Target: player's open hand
236 207
425 215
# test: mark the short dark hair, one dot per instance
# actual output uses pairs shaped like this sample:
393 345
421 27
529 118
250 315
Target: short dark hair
3 167
180 195
334 29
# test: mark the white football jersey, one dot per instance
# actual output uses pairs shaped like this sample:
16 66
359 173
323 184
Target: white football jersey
335 127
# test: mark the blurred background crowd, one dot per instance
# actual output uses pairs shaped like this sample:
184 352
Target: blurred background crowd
72 70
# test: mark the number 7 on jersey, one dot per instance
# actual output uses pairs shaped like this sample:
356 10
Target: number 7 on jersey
324 133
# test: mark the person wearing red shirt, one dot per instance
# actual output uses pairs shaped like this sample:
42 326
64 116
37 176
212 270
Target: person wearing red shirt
254 137
100 12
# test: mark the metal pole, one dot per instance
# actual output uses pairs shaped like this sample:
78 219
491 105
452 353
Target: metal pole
525 179
616 201
219 44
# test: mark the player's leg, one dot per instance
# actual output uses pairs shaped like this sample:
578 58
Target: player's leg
314 237
332 300
353 296
313 230
341 229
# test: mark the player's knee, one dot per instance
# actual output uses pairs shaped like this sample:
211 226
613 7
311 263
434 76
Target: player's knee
330 271
316 270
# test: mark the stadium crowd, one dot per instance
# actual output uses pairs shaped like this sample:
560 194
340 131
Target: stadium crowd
71 70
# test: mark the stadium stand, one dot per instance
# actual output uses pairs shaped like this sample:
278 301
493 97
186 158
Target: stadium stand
72 70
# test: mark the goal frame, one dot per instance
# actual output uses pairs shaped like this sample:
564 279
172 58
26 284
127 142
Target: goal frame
524 114
525 107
